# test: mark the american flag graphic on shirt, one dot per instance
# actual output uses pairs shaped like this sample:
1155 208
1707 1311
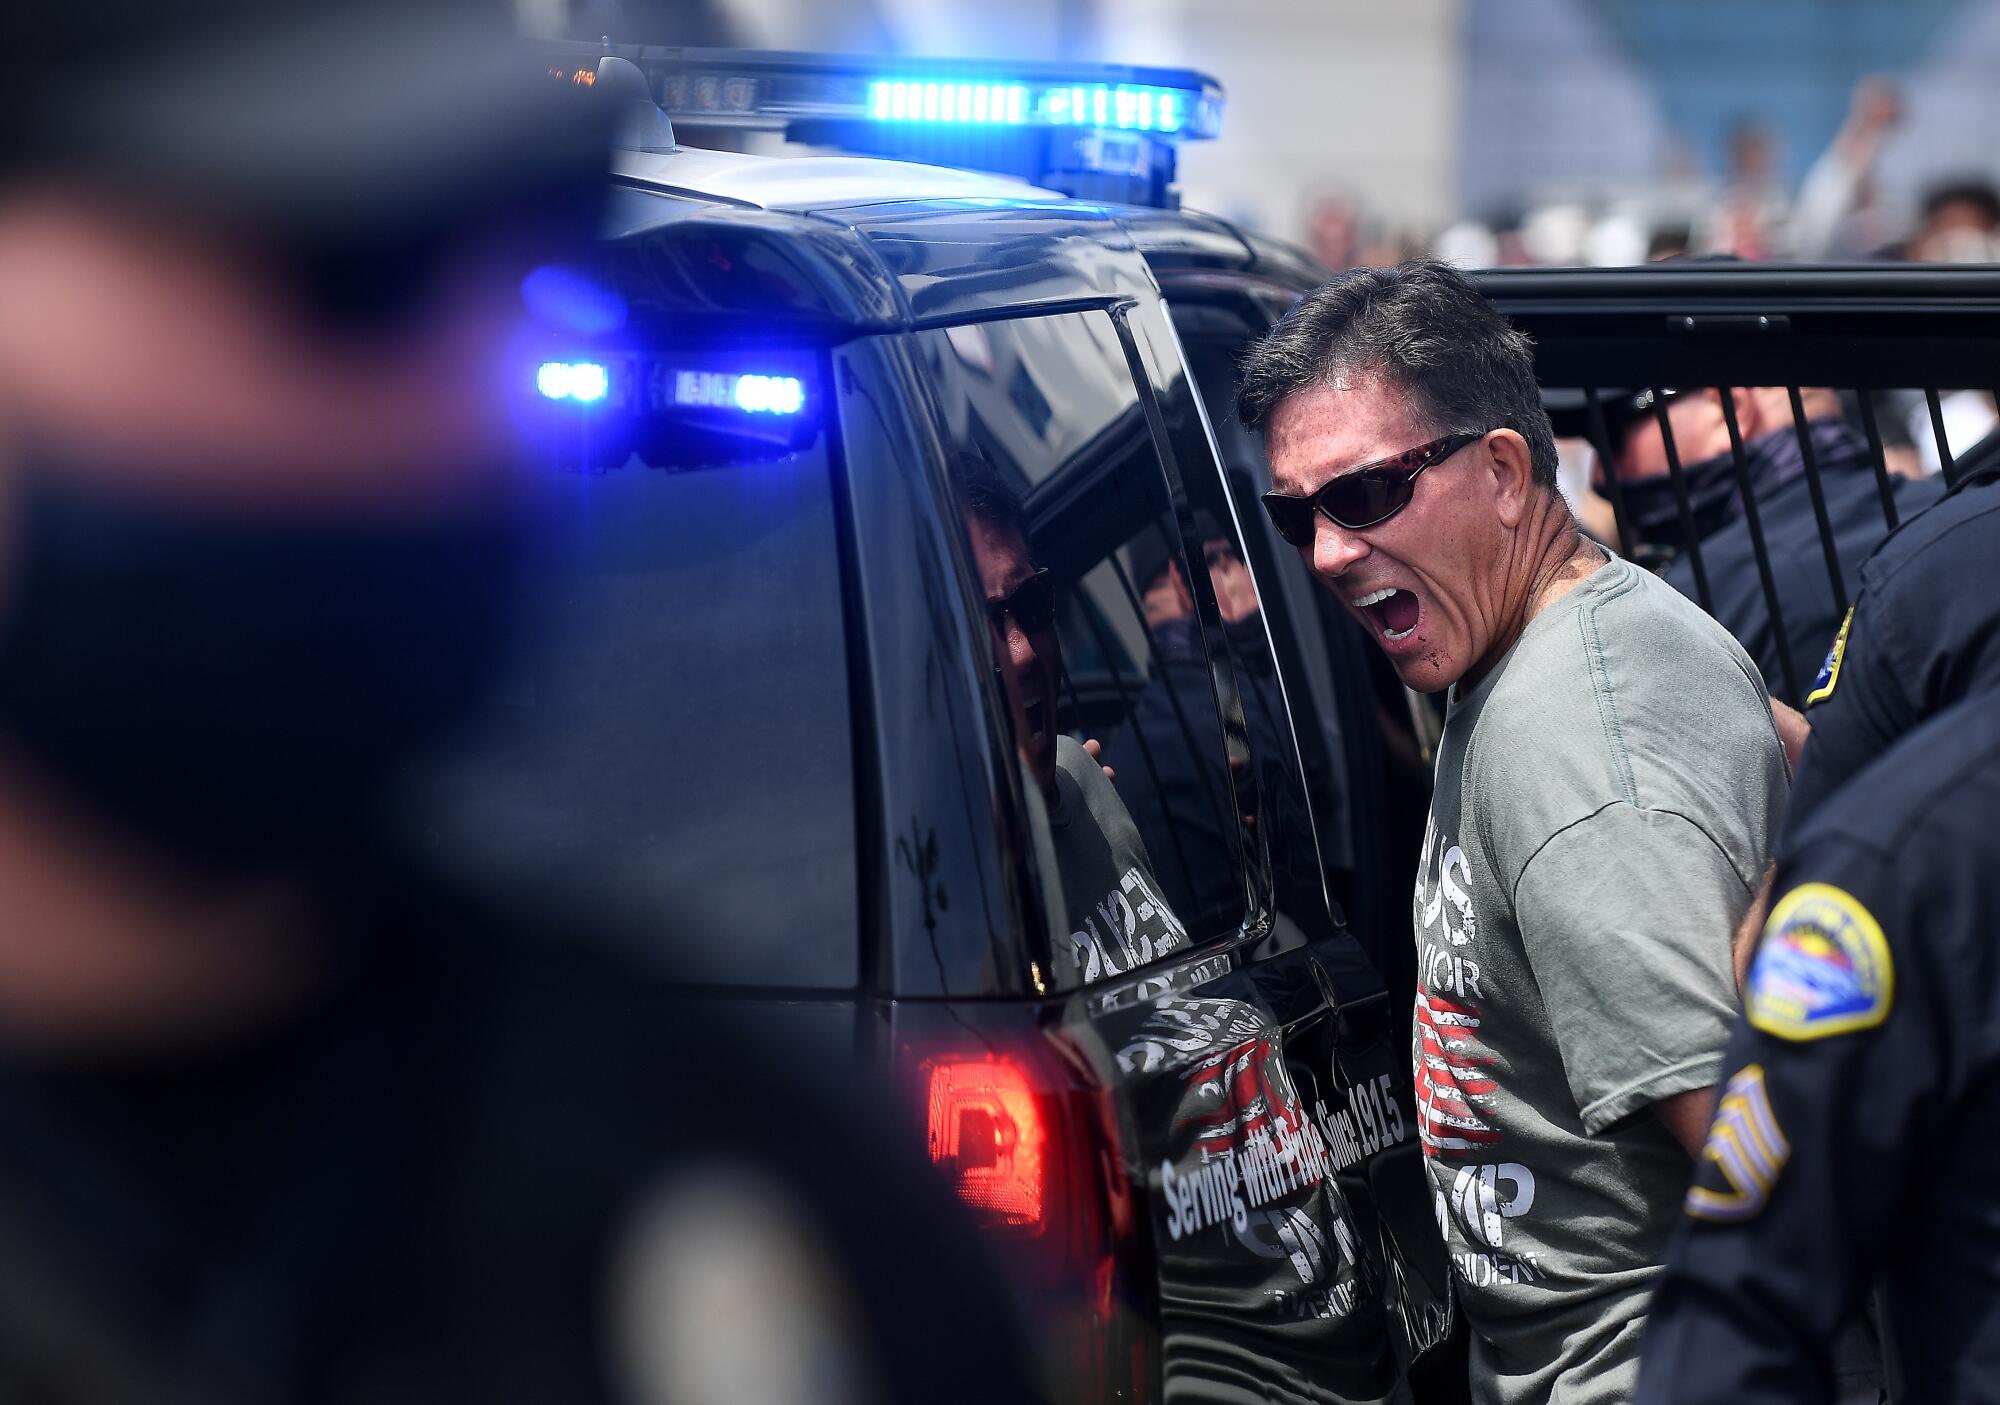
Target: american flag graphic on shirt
1454 1089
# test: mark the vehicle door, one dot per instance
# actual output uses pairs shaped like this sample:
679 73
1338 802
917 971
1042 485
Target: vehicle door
1376 792
1371 799
1185 1059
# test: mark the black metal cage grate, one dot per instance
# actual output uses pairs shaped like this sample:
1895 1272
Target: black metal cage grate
1637 337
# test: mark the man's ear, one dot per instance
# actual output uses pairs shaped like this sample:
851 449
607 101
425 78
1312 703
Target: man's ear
1513 474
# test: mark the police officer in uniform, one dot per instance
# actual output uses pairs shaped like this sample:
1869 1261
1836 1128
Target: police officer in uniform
1859 1123
1923 633
1774 465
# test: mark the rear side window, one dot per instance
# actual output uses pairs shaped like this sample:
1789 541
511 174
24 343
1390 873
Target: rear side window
673 751
1071 532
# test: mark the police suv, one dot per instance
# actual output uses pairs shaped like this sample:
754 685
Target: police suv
874 489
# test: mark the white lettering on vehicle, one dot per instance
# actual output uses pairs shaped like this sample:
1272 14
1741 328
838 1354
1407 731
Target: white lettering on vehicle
1151 905
1204 1196
1138 927
1339 1131
1371 1120
1380 1118
1273 1162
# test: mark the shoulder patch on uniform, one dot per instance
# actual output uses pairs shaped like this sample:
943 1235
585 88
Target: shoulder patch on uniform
1745 1147
1822 967
1829 672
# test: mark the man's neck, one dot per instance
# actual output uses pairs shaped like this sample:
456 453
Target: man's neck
103 951
1552 558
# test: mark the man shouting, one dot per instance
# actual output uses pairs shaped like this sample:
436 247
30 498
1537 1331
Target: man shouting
1608 785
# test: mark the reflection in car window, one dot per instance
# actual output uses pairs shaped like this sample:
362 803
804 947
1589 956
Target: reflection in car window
674 746
1111 910
1173 781
1044 418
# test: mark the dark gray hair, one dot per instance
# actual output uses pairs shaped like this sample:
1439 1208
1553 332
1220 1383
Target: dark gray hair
1424 329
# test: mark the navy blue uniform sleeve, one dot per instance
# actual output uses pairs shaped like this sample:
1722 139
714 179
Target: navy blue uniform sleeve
1832 1077
1859 704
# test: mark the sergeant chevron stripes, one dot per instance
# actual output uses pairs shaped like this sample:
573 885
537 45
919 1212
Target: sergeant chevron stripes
1747 1146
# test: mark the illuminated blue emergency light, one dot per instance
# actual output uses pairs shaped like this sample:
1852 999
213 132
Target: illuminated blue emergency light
581 381
754 394
1096 131
1120 107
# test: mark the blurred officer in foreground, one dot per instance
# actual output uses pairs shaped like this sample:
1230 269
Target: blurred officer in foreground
1860 1120
278 1121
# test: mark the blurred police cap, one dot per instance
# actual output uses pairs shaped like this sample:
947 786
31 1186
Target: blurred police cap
300 124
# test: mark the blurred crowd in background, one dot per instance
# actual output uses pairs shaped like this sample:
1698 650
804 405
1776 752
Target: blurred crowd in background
1835 214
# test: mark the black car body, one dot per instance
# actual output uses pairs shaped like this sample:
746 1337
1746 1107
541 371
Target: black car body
760 725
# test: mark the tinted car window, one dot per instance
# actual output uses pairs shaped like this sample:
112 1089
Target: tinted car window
673 749
1070 529
952 897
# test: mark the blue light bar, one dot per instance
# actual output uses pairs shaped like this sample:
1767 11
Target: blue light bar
1129 107
582 381
753 394
980 104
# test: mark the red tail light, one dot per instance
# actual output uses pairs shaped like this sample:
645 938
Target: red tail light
1026 1140
988 1136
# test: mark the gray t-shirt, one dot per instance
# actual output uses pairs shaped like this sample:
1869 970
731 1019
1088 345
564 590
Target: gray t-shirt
1605 801
1112 906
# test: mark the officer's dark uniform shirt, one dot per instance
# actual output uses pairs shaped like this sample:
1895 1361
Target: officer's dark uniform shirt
1924 632
1859 1125
481 1166
1798 565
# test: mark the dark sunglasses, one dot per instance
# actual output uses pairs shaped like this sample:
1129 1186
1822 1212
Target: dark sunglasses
1032 604
1363 496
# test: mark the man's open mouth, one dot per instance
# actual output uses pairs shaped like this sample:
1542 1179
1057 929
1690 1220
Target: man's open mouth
1393 612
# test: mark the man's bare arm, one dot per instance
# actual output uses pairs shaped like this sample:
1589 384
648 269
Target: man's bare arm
1743 941
1687 1116
1793 729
